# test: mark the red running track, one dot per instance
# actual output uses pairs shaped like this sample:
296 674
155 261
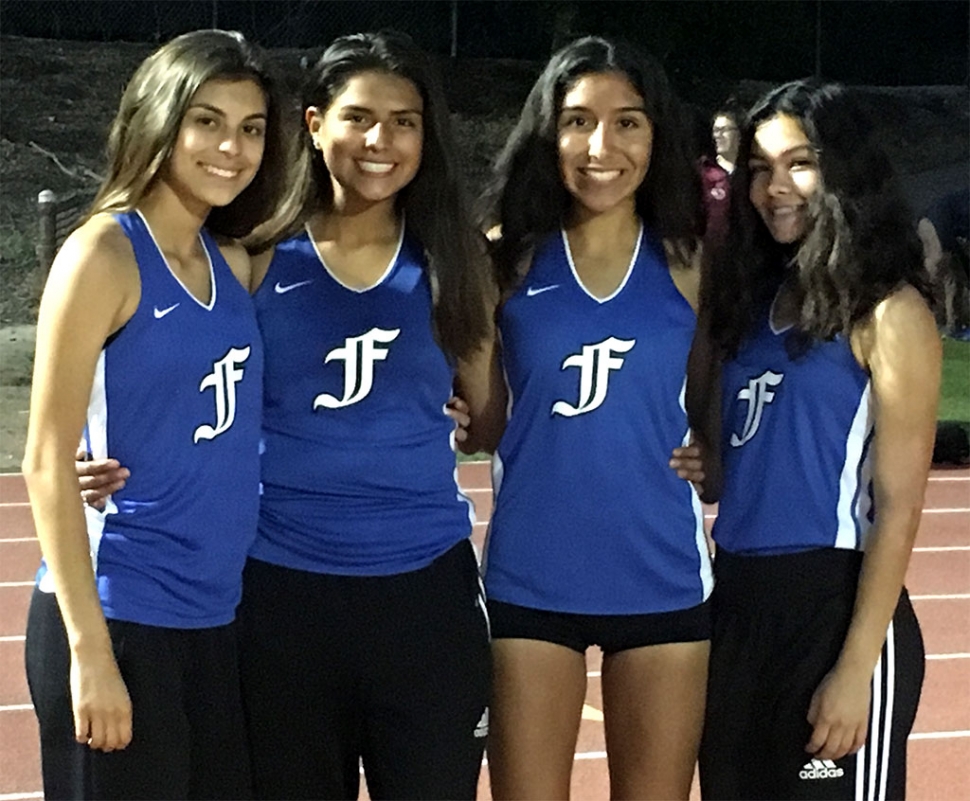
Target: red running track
938 581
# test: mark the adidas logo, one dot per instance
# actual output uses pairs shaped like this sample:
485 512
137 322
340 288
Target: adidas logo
820 769
481 728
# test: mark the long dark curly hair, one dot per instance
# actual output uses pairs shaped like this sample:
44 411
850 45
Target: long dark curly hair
526 195
860 243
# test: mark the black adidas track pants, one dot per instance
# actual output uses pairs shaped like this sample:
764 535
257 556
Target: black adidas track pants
779 625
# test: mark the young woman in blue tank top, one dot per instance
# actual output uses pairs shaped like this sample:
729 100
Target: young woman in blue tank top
818 330
147 340
364 636
592 541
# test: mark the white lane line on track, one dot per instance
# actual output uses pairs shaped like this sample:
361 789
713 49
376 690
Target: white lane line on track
13 638
484 524
947 510
597 674
941 548
17 584
958 596
923 735
591 674
949 478
951 511
19 796
11 505
16 707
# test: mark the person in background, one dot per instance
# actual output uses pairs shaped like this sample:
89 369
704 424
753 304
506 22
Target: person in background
592 540
715 180
829 360
725 132
147 340
944 230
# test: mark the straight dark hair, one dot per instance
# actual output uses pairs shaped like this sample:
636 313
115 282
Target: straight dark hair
434 203
527 197
860 244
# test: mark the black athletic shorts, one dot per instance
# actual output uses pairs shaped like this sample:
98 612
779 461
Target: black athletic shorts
613 633
188 738
779 626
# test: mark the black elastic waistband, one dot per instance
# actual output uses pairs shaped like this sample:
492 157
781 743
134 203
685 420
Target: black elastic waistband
812 573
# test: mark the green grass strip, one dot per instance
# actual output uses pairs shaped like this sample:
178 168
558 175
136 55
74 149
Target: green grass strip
955 390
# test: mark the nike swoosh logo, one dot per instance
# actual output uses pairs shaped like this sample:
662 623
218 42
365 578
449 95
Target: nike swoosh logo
282 290
532 291
160 313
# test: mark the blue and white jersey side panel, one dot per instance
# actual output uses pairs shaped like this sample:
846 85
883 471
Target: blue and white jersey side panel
706 571
855 482
96 443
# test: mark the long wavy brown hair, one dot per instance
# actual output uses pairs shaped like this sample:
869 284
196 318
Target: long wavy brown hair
154 102
860 244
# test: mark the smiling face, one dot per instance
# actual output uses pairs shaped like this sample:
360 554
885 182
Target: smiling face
219 145
605 143
726 137
371 137
784 175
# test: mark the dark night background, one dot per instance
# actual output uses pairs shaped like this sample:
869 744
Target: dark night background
64 64
874 42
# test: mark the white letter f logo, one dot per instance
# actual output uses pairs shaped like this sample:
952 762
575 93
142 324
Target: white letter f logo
595 363
757 395
358 355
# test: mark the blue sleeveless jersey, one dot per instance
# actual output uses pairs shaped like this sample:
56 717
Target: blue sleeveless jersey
359 470
177 398
589 518
795 443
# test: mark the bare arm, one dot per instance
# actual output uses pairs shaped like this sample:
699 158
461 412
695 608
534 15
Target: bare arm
700 462
92 291
481 384
902 350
